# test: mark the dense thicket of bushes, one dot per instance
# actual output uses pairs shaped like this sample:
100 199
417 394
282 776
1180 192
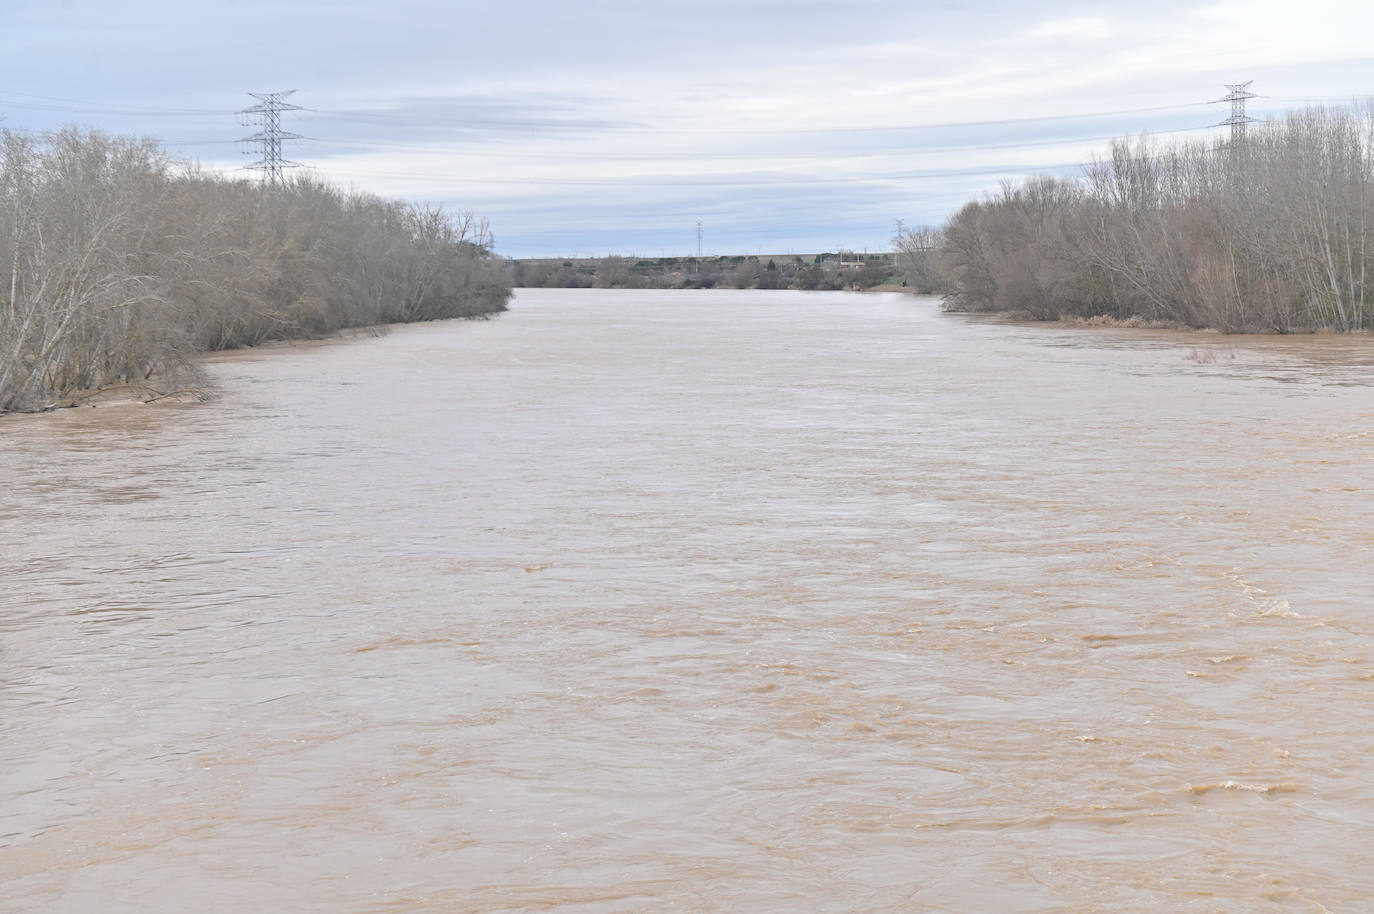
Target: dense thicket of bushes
1275 234
122 264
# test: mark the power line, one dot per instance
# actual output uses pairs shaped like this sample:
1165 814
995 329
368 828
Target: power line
1312 98
728 156
643 128
89 107
96 107
728 182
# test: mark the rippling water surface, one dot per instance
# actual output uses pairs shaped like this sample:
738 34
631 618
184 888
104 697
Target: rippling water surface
706 601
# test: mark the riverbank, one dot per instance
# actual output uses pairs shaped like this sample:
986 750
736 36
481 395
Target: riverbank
204 389
232 263
1279 239
1107 322
826 271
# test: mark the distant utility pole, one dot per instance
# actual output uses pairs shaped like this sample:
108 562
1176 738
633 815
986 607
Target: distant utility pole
1236 96
901 225
698 239
267 114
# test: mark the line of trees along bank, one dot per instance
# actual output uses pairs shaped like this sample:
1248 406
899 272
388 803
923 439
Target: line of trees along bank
122 265
820 272
1275 235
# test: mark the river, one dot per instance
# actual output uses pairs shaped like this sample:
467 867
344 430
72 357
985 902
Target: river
700 601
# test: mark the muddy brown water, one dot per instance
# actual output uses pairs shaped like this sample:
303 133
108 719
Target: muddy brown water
700 602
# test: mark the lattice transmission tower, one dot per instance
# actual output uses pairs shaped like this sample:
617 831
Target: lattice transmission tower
1238 119
267 115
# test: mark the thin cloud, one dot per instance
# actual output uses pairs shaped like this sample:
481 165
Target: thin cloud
1082 28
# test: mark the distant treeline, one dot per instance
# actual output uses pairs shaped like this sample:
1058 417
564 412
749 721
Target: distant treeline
827 271
123 264
1275 233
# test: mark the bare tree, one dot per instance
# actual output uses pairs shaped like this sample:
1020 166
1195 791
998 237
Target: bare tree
124 264
1276 236
920 259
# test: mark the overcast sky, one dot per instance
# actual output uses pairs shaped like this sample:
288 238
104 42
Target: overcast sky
597 127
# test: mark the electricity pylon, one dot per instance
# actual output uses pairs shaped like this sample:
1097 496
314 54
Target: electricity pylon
1238 119
267 114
